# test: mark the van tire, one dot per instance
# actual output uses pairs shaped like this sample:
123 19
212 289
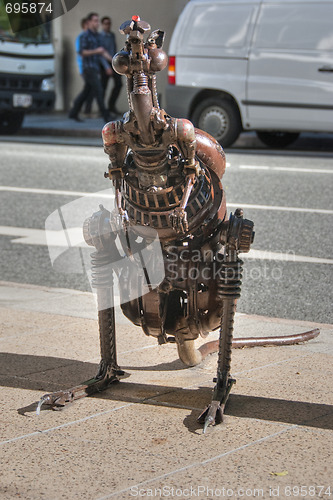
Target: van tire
10 122
220 118
278 139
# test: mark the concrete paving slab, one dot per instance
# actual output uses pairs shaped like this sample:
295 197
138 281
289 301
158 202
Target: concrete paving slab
44 299
295 380
124 448
249 471
142 434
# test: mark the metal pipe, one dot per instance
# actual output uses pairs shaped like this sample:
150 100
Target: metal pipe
213 346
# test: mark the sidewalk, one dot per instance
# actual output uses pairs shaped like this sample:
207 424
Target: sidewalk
58 124
140 438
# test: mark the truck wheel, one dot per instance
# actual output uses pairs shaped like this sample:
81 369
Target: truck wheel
10 122
220 118
277 139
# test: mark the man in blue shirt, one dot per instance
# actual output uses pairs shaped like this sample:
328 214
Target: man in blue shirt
93 55
108 41
84 26
79 60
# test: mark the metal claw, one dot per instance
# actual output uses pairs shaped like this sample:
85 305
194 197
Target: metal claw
212 415
179 220
102 381
208 421
40 403
57 399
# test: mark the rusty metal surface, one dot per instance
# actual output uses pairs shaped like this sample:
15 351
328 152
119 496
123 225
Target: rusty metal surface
167 179
239 343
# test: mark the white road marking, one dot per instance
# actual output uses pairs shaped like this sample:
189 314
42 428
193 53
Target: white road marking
100 194
288 169
286 257
27 236
108 193
282 209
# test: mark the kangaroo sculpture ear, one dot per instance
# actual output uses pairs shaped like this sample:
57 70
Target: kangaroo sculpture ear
157 37
135 24
126 27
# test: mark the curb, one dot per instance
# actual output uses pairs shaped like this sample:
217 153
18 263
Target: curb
28 131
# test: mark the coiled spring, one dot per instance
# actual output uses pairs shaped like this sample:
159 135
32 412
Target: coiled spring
229 283
139 80
101 270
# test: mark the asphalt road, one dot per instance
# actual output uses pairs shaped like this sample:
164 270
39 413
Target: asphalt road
288 196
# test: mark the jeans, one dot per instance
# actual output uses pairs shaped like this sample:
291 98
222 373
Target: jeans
92 85
117 84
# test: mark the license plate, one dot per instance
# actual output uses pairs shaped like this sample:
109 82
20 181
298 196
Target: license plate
22 100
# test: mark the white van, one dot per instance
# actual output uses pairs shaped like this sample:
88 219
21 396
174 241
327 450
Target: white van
26 68
263 65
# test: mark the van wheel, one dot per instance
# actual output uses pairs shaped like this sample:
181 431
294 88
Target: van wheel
277 139
220 118
10 122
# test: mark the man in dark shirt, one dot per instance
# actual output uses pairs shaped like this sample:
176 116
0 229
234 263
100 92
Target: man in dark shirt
108 41
93 55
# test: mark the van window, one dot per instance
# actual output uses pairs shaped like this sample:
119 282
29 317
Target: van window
217 26
23 28
295 26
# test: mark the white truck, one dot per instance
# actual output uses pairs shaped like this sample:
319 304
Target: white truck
263 65
26 70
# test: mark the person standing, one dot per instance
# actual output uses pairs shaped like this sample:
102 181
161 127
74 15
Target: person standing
79 60
108 41
93 55
84 27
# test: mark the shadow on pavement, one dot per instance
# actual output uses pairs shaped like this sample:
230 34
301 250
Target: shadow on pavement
242 406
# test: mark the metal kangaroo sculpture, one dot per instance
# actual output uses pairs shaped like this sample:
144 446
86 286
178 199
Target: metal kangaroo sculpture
167 179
